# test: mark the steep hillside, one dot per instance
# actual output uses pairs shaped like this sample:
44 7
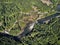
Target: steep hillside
16 14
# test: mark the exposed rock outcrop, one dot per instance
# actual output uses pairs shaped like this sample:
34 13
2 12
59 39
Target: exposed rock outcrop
48 2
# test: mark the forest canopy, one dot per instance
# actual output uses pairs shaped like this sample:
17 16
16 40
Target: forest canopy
15 14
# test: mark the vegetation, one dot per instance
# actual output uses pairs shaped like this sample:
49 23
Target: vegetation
15 14
42 34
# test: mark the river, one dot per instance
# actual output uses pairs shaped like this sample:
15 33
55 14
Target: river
29 27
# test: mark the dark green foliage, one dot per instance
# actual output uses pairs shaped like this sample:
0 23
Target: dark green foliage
10 10
42 34
6 39
45 34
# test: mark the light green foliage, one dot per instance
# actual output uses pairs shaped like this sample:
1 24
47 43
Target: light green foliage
43 34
